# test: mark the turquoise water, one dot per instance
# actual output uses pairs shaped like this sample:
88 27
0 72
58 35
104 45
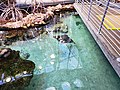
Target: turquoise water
69 66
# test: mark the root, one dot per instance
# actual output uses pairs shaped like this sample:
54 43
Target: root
12 13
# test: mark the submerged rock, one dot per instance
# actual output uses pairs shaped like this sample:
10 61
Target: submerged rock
78 83
49 68
66 86
52 56
64 39
60 27
51 88
15 35
25 55
14 71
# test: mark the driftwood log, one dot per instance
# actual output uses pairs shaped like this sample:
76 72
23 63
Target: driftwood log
37 18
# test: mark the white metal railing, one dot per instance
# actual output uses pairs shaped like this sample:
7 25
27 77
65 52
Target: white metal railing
92 8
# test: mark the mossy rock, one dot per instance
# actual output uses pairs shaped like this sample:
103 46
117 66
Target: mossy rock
60 27
19 71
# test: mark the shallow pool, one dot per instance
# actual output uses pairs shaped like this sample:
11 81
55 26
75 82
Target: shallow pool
68 66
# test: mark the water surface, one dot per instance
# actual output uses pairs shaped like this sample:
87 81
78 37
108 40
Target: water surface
69 66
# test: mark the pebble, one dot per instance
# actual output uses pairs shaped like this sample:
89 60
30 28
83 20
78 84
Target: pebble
51 88
78 83
66 86
52 62
49 68
24 72
8 79
52 56
40 67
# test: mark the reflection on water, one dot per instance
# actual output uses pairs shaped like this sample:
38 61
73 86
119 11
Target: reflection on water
68 66
50 55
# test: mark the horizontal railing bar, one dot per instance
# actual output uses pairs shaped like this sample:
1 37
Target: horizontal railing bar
113 21
112 36
116 23
110 42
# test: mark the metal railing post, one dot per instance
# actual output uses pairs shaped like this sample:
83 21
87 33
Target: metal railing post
76 1
91 2
82 4
105 12
79 1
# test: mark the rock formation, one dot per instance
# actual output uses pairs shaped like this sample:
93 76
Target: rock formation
14 71
64 39
37 18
